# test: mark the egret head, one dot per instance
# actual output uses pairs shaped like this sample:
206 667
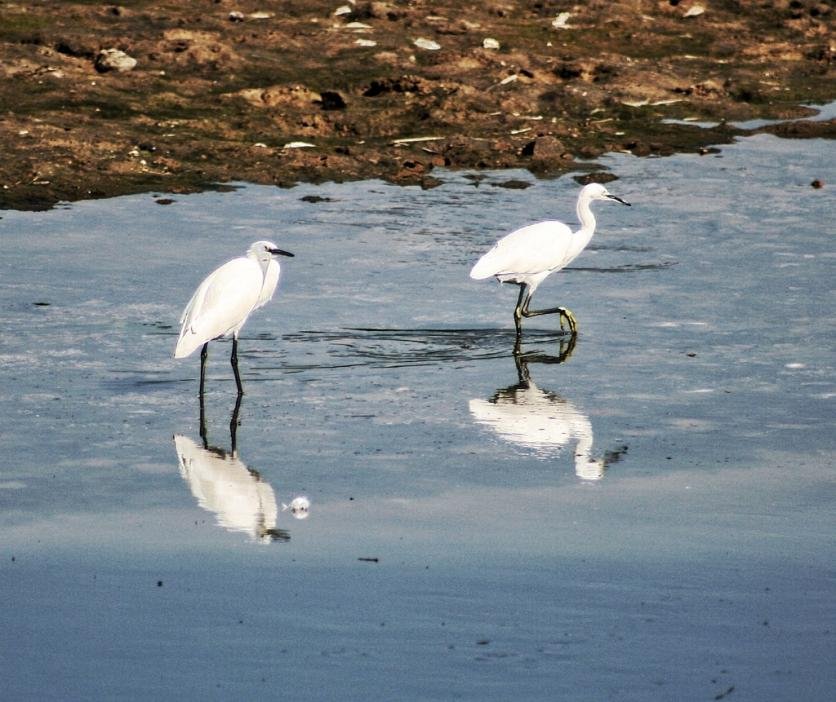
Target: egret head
596 191
263 250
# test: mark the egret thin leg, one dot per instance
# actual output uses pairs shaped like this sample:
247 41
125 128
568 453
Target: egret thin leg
204 353
203 434
233 425
522 303
233 359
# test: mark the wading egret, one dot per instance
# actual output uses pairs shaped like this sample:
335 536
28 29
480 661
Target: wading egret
225 299
528 255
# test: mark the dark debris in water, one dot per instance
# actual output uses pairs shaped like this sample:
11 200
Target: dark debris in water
595 177
513 184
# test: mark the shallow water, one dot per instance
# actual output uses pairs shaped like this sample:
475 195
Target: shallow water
647 515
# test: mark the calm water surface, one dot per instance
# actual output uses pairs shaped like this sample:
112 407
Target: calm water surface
647 515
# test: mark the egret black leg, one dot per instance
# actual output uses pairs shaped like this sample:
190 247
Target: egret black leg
233 425
203 434
204 353
522 304
233 359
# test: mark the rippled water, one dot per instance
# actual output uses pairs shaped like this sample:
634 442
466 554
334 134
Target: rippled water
645 514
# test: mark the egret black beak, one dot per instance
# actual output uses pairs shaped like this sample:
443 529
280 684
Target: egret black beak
618 199
279 252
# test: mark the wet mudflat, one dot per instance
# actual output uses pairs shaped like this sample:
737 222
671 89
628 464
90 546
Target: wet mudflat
647 515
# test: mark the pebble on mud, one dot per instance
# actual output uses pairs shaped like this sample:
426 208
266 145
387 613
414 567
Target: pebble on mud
427 44
114 60
817 183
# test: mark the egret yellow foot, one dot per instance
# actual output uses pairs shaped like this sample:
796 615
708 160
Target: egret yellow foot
570 320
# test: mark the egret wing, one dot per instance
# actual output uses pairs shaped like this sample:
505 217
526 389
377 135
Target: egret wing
221 304
529 250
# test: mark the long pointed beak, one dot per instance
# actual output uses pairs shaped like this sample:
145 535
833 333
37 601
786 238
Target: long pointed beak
618 199
280 252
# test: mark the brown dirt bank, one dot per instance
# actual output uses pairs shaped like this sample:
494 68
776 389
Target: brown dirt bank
220 88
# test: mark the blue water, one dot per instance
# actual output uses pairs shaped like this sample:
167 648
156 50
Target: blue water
651 518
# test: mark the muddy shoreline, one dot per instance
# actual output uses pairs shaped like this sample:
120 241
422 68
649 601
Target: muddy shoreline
102 100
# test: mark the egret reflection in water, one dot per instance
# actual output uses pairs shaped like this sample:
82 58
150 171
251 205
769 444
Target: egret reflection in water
224 485
543 421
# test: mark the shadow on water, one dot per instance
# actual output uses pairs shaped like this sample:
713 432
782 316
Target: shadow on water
225 486
351 348
543 421
626 268
394 348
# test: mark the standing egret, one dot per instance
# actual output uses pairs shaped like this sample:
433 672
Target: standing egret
528 255
225 299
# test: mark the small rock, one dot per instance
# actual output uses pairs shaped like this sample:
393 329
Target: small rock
236 16
595 177
513 184
490 43
114 60
427 44
544 147
299 507
694 11
817 183
332 100
561 21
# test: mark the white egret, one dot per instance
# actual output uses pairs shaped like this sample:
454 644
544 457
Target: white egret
528 255
225 299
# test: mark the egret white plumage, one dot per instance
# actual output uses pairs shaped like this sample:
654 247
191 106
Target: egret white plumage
225 299
527 256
